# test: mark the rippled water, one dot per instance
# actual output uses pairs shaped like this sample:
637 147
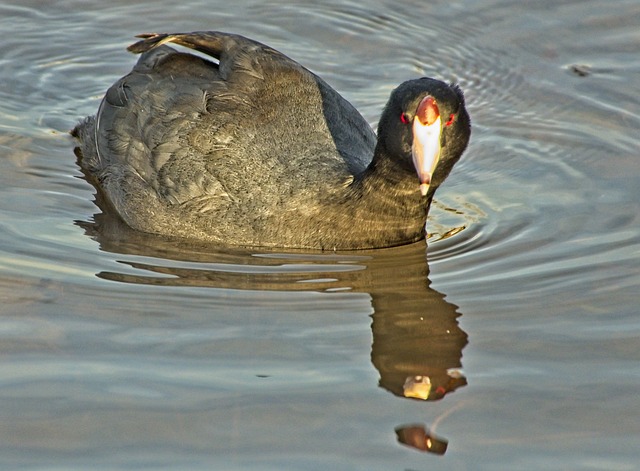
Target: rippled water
518 324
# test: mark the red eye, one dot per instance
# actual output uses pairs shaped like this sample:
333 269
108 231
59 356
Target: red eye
451 120
404 118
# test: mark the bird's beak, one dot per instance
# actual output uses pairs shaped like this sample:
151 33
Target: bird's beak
426 141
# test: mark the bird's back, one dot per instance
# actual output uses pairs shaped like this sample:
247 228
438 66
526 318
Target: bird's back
253 134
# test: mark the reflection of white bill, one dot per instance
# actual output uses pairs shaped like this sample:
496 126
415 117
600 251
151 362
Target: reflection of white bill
417 387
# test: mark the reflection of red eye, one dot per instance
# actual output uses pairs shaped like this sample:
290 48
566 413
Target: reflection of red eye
404 118
451 120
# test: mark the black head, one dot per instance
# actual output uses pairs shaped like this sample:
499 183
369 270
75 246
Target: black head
425 128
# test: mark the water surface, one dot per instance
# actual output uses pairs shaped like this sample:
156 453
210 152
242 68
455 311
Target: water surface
513 339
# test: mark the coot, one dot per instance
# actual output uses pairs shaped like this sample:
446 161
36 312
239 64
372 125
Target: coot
241 145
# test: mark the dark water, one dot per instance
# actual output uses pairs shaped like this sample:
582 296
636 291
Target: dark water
519 323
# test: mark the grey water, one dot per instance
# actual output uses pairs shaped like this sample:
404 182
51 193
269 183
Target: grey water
510 340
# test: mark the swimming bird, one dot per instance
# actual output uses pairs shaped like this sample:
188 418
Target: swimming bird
242 146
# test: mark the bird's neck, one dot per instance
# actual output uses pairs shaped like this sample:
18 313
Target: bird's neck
388 203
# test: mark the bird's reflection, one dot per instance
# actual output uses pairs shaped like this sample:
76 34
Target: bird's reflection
417 342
